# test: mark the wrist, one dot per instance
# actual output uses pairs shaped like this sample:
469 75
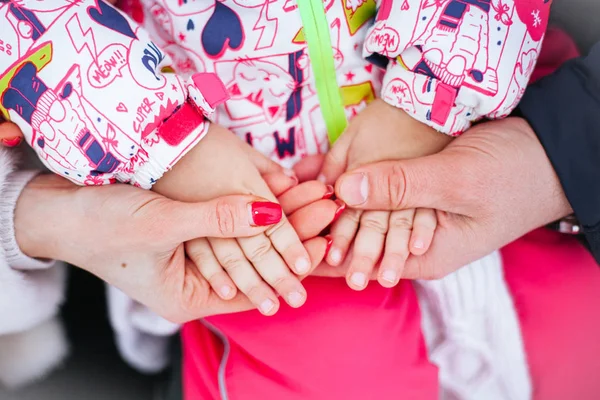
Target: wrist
40 217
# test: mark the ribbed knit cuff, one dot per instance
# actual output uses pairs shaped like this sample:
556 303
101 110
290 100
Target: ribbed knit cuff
14 185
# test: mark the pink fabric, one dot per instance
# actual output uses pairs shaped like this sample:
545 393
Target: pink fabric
554 282
341 344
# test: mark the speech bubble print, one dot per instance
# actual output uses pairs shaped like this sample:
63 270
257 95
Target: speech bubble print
384 41
108 66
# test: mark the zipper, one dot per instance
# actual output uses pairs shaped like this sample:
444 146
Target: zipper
223 364
320 51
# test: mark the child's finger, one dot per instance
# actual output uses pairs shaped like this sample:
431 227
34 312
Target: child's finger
303 195
368 247
317 248
423 229
200 252
261 250
396 247
244 275
279 183
312 219
309 167
343 232
336 160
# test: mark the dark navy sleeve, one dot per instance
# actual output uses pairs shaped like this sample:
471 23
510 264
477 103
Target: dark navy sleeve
564 111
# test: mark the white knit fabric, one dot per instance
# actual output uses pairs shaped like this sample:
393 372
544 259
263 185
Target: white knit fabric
473 335
31 291
142 336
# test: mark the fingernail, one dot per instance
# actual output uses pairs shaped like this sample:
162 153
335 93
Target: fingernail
267 306
329 243
418 244
12 142
292 175
265 213
289 172
302 265
358 279
335 256
321 178
225 291
295 299
389 276
355 189
341 207
329 193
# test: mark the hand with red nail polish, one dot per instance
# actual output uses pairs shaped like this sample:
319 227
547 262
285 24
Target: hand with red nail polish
10 134
264 267
380 132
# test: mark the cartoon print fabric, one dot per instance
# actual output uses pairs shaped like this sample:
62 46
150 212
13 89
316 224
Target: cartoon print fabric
456 61
94 93
90 91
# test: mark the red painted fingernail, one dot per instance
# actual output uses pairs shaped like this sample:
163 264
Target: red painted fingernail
12 142
340 210
329 243
265 213
329 193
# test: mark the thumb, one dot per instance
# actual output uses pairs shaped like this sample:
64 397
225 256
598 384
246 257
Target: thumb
336 160
224 217
427 182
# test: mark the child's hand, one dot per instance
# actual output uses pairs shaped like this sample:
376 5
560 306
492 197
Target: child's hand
380 132
223 165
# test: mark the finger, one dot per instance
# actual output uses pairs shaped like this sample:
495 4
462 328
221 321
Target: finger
426 182
228 216
279 183
317 248
311 220
343 232
368 247
260 251
336 159
200 252
396 247
309 167
10 134
422 232
265 165
243 274
303 195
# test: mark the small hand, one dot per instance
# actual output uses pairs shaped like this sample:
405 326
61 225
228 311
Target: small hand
263 265
380 132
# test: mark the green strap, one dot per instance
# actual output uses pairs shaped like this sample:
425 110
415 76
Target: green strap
316 32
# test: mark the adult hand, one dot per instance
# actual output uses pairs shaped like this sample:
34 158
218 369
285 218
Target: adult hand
491 186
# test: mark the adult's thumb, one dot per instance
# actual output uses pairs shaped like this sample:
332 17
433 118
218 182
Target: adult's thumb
425 182
229 216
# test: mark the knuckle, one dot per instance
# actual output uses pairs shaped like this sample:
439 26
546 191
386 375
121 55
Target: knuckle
259 251
254 291
232 262
376 223
194 294
225 218
403 222
396 186
353 215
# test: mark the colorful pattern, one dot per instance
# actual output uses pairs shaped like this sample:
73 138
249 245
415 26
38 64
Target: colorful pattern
456 61
90 91
94 94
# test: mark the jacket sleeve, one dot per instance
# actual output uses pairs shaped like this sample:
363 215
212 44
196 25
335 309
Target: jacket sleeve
453 62
96 98
564 111
30 291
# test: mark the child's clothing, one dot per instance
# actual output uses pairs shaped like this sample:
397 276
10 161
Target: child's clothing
95 98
